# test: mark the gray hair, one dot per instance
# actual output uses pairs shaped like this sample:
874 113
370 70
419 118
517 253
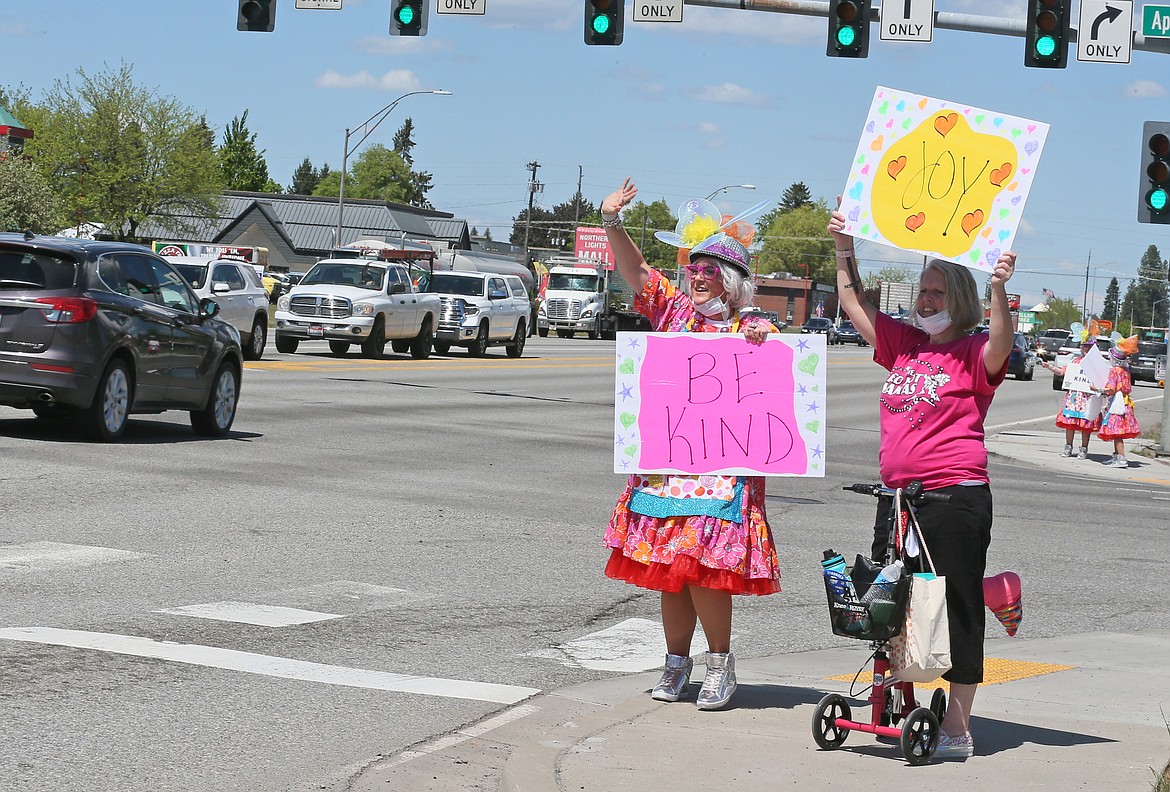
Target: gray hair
741 290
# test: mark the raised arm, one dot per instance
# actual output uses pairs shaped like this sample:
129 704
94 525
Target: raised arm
627 258
849 294
999 328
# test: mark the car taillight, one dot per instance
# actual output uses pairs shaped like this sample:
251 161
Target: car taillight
68 310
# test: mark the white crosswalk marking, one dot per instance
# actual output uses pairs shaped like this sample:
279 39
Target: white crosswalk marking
630 646
266 665
250 613
49 556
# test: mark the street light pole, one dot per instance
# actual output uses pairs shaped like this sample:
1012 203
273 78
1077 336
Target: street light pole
728 187
369 130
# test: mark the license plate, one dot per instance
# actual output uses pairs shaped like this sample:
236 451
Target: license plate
316 330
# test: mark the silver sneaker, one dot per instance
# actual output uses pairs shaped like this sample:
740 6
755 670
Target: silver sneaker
719 684
958 748
1083 453
1120 462
1067 451
675 678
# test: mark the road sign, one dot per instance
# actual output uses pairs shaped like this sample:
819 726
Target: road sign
1105 34
646 11
329 5
906 20
1156 21
462 7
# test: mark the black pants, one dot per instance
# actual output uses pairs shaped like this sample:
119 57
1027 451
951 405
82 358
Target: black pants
958 534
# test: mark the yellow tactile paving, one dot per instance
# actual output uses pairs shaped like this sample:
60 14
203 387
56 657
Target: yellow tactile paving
995 671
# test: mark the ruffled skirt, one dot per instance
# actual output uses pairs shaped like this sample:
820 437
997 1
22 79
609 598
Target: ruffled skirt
668 553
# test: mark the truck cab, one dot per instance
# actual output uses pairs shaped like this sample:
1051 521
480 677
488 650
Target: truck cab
575 301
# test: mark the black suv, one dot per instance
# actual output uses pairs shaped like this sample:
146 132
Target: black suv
96 331
1143 365
848 334
820 324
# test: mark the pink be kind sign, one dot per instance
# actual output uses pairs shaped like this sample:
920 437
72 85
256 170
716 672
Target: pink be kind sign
701 403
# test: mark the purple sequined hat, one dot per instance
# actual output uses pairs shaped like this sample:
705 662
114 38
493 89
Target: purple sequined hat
726 248
1118 354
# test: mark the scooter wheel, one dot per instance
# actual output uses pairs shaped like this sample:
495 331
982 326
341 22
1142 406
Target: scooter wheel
938 704
824 724
920 733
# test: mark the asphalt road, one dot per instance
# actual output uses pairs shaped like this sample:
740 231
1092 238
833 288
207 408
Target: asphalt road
443 519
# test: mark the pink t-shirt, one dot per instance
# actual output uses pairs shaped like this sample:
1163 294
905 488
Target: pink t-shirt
932 406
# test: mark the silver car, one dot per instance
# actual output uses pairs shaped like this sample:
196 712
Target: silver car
236 287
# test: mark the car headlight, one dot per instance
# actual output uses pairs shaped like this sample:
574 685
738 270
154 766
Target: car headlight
587 313
363 309
282 303
470 310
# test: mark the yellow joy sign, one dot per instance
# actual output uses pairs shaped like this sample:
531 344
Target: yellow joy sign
941 179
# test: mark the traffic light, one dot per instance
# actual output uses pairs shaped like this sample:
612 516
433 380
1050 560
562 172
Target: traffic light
257 15
1047 27
409 18
1154 187
848 29
604 21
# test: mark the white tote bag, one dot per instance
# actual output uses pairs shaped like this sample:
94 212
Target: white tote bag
1117 404
922 651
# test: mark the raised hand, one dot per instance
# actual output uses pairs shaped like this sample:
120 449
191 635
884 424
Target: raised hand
620 198
1004 267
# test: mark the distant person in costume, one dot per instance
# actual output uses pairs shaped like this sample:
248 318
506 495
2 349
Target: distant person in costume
1077 413
698 545
1118 421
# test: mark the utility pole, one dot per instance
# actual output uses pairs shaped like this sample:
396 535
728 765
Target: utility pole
577 208
1085 299
533 187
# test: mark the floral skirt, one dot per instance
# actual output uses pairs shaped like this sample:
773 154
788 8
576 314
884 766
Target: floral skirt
668 553
1074 414
1120 427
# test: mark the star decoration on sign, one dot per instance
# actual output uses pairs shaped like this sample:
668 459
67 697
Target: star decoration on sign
813 408
635 343
627 392
802 345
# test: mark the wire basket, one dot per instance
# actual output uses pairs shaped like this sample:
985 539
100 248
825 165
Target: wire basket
875 615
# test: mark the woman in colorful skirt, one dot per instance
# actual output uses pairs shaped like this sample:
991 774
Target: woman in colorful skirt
1076 414
696 539
1118 422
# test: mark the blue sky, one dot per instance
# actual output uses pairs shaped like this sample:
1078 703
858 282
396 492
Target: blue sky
727 97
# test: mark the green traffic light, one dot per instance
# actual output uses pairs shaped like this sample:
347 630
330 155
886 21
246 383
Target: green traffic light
601 24
1045 46
405 15
1156 199
846 36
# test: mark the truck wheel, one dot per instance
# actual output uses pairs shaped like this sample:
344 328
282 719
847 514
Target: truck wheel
516 347
442 347
564 334
339 348
374 347
286 345
479 345
420 346
106 417
595 331
255 348
542 332
215 420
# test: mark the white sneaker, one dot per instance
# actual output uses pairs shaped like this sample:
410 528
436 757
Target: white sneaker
1120 462
1067 451
961 747
1083 453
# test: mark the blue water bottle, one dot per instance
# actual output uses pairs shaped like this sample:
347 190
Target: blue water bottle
834 569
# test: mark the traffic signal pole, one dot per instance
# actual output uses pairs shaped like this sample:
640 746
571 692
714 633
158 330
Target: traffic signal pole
943 20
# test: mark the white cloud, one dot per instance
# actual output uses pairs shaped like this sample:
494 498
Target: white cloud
727 93
401 45
398 80
707 128
1144 89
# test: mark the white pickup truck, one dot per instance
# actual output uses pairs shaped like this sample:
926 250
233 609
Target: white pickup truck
358 301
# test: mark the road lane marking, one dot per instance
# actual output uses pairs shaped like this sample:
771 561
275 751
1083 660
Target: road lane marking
462 735
250 613
630 646
267 665
48 556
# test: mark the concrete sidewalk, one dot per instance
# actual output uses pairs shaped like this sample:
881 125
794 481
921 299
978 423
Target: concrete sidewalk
1084 712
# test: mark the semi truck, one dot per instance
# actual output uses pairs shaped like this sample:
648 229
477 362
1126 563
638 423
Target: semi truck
581 296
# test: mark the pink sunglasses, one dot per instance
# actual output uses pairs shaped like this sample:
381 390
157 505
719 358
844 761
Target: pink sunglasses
708 270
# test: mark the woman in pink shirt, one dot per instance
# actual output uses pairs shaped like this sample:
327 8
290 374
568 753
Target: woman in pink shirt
932 408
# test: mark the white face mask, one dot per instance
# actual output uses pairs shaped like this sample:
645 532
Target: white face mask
713 308
935 323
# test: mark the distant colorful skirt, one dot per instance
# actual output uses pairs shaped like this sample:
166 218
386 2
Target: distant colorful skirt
668 553
1074 413
1120 427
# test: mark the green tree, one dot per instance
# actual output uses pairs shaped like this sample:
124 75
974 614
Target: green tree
796 196
242 165
27 201
377 174
538 228
642 220
796 241
117 154
404 141
1145 303
1061 313
305 179
1112 301
890 274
